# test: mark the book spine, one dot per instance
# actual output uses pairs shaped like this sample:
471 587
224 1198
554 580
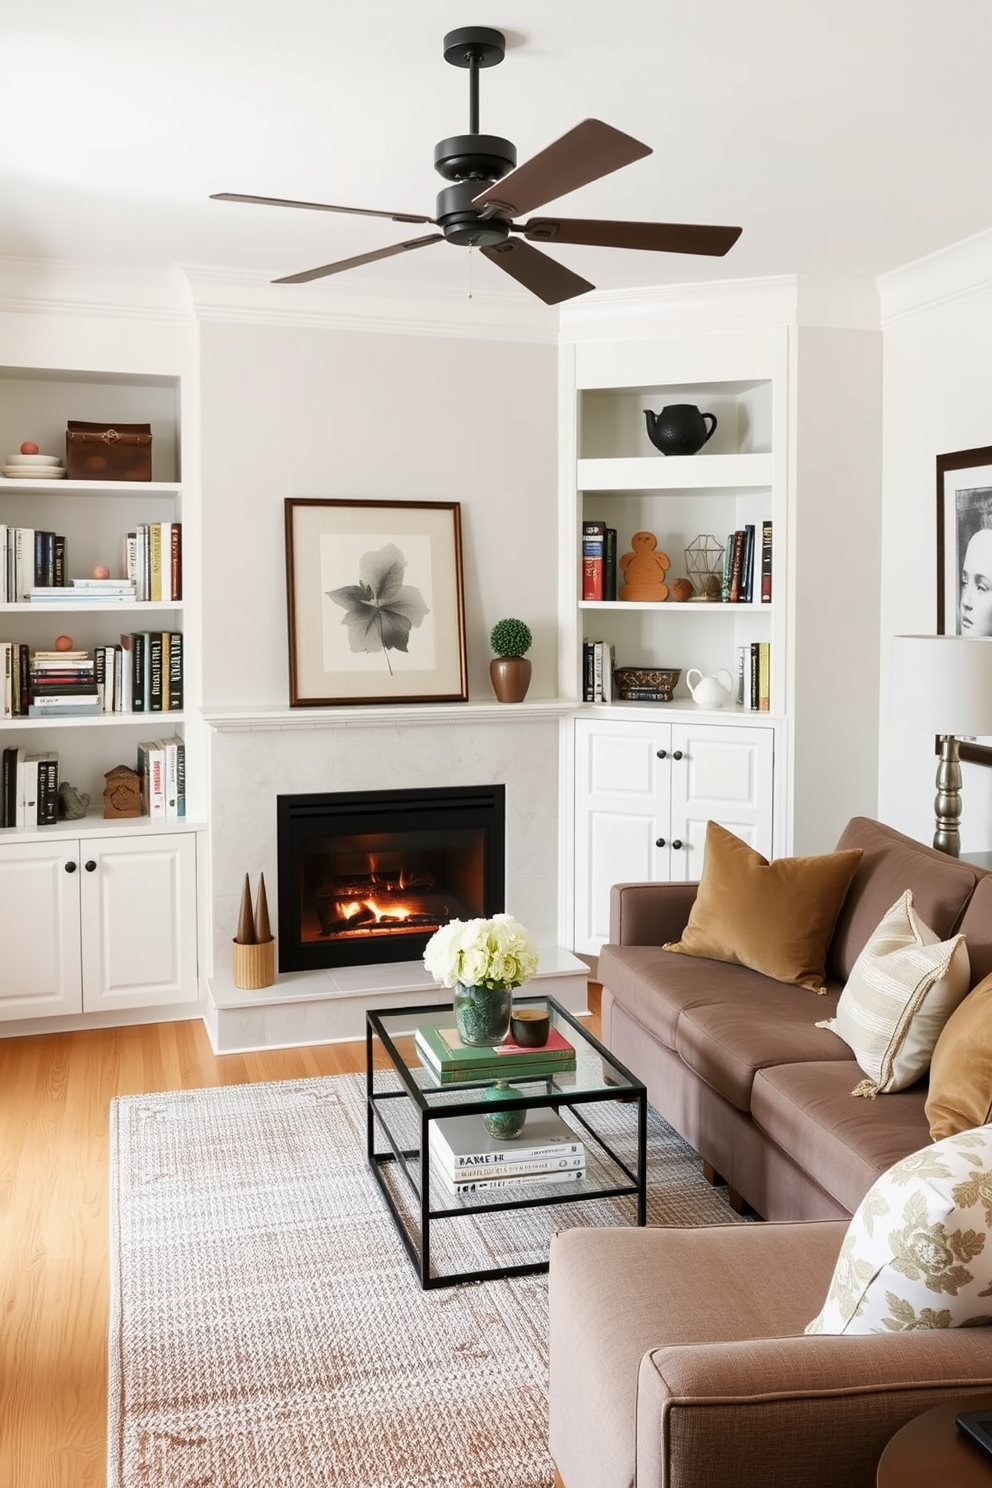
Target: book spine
154 690
100 674
573 1164
547 1152
742 669
175 670
597 672
747 564
753 676
766 563
764 676
610 563
593 543
155 561
176 560
171 778
59 561
486 1183
735 567
588 672
728 563
180 778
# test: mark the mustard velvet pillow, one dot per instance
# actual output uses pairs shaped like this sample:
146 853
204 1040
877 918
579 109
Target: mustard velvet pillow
960 1094
775 917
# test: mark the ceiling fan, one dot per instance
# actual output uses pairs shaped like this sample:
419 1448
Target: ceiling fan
488 190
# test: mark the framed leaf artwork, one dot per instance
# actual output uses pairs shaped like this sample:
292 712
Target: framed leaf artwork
376 609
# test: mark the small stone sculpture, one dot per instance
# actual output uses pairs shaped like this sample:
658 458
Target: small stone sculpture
72 802
644 569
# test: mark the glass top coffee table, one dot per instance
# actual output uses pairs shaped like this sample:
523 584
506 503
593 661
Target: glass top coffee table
490 1232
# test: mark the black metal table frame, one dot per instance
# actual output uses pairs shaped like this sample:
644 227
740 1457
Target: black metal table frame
420 1256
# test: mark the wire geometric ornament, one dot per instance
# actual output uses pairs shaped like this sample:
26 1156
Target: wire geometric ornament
704 566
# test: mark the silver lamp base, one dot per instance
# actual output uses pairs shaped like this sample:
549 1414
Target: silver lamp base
947 803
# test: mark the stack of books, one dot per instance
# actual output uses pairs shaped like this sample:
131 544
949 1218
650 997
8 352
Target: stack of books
162 771
452 1062
29 788
62 684
84 592
466 1159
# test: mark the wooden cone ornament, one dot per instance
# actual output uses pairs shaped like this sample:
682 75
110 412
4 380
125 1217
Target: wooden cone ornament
246 920
262 931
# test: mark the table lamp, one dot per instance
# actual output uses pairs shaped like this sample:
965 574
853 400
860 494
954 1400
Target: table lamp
943 685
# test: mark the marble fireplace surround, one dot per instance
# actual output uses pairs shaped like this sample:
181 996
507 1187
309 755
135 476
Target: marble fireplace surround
256 755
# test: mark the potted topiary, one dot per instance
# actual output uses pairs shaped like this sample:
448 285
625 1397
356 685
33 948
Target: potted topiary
510 669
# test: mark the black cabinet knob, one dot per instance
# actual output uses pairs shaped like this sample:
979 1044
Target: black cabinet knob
676 844
70 867
659 842
677 754
662 753
90 866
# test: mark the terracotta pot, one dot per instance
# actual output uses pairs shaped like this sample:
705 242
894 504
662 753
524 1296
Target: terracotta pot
510 677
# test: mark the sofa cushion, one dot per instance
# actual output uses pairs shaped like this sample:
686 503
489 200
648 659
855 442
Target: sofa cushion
776 917
918 1251
725 1042
960 1094
807 1111
656 987
890 864
976 927
904 986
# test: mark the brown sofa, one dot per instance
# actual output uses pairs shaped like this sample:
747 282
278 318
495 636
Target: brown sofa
678 1357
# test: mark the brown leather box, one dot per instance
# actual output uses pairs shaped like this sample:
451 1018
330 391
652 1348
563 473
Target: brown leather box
108 452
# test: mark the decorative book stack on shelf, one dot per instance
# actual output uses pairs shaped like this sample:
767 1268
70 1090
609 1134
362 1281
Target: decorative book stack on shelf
466 1159
449 1061
29 788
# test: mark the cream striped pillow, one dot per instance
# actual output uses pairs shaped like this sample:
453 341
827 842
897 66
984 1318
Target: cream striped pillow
902 989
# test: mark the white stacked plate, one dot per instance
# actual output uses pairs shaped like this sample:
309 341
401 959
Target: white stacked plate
33 467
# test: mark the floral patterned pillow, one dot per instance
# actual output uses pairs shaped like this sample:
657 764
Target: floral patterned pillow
918 1252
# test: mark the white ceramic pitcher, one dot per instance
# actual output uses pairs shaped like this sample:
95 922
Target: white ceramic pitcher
709 692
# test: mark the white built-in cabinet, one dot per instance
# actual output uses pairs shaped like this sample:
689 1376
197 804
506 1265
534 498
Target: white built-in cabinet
646 777
97 924
644 792
100 915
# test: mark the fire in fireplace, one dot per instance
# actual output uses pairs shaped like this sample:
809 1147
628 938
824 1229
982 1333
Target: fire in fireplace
368 876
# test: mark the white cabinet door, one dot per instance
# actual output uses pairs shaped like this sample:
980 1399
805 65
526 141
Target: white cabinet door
643 795
40 971
721 774
138 921
621 813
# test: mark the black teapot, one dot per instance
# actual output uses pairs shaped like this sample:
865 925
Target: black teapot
679 429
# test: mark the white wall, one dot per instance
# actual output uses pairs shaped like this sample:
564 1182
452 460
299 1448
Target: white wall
291 411
937 398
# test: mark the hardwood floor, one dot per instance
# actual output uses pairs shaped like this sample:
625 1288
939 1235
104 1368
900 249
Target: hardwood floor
55 1093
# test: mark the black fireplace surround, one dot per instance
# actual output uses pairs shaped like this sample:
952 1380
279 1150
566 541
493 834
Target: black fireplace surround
366 877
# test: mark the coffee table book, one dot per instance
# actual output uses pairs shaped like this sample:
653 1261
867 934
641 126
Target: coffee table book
463 1142
504 1181
443 1052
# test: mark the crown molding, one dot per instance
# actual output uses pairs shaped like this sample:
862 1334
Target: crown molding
954 273
716 305
57 287
390 308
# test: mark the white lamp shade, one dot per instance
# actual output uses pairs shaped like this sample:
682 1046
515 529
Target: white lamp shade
942 684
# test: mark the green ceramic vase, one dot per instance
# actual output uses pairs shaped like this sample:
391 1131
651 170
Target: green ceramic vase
483 1013
504 1121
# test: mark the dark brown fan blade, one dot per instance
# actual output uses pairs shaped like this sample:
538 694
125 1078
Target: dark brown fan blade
550 281
591 150
358 260
281 201
656 237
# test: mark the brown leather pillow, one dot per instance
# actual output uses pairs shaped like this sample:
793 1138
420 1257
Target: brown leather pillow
961 1068
776 918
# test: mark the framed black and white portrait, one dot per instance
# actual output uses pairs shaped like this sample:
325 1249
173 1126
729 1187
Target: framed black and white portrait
964 556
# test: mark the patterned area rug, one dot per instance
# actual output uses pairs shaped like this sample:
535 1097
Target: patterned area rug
267 1329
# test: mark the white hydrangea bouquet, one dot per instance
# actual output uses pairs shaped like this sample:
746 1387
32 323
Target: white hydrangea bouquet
483 960
497 952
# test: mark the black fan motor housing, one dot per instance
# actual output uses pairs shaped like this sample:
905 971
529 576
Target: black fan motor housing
464 224
474 157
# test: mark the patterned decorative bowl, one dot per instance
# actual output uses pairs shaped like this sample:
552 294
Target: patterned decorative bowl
645 684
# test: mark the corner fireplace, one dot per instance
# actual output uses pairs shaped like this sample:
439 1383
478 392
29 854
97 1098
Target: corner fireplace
367 876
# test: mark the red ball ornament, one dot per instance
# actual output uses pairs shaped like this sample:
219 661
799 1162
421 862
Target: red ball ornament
101 571
63 643
29 447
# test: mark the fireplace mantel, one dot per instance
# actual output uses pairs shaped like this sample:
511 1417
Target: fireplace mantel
277 716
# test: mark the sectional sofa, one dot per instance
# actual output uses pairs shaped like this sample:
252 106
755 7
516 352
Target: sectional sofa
678 1357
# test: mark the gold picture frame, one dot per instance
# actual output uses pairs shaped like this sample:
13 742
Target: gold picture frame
375 600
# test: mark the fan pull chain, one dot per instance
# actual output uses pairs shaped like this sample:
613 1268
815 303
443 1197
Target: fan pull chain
471 264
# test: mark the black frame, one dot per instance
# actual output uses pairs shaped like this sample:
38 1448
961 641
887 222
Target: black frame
969 459
551 1096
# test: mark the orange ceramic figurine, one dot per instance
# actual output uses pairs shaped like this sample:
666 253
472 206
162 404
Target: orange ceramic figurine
644 569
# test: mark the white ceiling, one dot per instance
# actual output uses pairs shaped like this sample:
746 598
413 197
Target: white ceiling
846 137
